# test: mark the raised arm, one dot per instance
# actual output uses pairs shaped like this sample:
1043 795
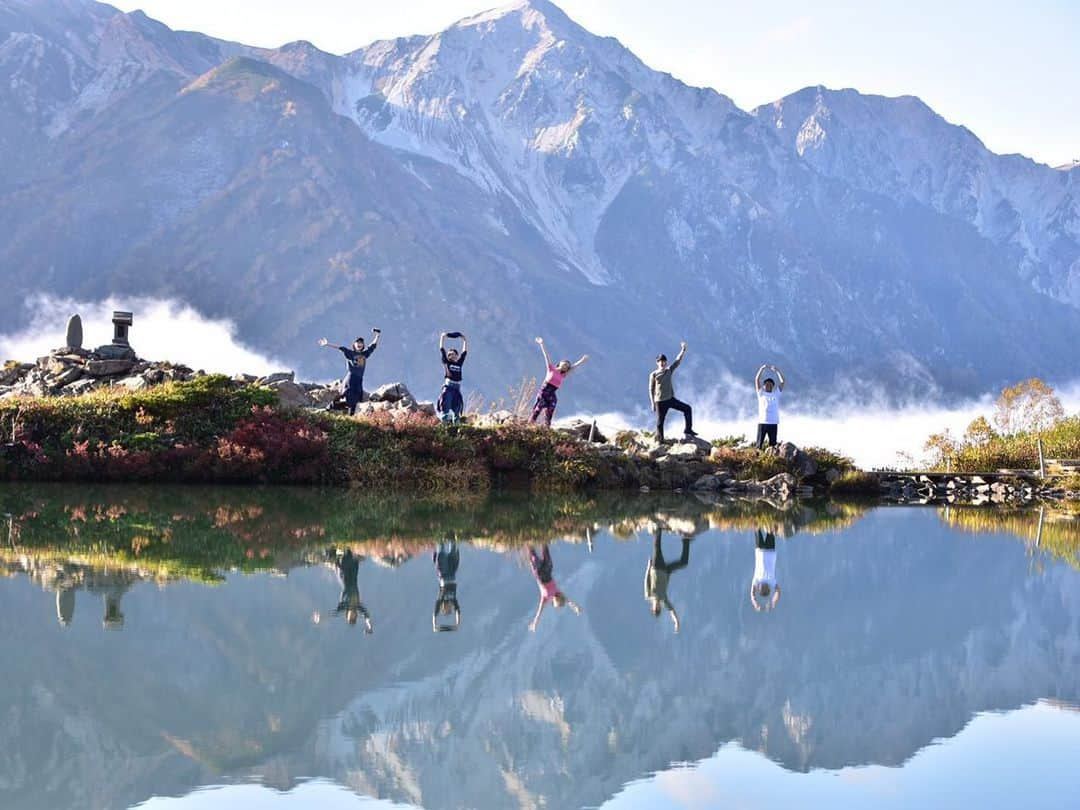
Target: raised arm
779 376
442 342
679 356
543 350
674 615
464 344
325 344
757 377
581 361
536 618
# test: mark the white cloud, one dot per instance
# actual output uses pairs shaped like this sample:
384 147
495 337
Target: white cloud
872 434
163 330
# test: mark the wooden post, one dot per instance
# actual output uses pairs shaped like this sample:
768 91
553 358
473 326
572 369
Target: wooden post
592 431
1042 460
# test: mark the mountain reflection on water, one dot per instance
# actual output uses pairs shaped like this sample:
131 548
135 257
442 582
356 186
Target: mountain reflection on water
239 649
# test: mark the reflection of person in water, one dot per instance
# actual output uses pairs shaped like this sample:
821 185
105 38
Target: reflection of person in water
65 605
658 573
543 572
763 586
446 557
349 604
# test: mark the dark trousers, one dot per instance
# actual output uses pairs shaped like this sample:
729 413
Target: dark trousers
665 405
766 432
658 555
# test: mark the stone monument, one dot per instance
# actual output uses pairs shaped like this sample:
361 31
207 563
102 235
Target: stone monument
120 348
74 336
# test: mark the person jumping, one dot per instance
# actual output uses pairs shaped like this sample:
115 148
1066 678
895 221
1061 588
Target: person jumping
768 405
547 399
662 395
352 386
451 403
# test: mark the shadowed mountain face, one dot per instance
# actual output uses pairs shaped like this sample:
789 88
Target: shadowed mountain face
892 632
517 175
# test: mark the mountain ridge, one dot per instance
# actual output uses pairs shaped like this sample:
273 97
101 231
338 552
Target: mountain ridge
608 205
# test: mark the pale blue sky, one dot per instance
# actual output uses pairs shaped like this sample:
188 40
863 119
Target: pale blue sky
1008 70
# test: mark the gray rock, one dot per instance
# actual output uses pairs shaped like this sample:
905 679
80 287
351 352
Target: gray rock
136 383
65 375
321 397
290 395
391 392
708 483
109 368
276 377
11 373
780 481
111 351
694 448
73 338
581 429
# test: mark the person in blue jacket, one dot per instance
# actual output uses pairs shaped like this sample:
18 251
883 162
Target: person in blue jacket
356 361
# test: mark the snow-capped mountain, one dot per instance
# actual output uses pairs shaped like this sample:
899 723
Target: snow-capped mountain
517 175
901 148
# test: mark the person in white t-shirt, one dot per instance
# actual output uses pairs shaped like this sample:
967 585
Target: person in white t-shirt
763 586
768 398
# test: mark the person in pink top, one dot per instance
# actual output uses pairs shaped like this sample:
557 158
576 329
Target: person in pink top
549 590
547 399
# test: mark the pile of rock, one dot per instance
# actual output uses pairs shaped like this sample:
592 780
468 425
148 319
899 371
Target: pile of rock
70 373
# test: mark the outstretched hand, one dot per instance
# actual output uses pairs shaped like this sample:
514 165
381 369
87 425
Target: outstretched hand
323 342
683 345
540 340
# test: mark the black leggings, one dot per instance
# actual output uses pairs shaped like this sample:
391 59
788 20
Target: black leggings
766 432
665 405
658 555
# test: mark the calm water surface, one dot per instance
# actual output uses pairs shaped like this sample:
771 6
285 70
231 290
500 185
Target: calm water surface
192 648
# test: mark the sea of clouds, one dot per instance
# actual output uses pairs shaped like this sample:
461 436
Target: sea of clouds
864 428
163 330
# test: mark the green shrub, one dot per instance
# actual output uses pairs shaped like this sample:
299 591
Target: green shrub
855 482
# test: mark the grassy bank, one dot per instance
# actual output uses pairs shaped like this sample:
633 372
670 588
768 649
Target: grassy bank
212 430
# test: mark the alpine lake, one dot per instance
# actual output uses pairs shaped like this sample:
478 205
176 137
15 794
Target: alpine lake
192 648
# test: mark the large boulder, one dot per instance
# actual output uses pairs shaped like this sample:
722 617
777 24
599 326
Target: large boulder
690 448
290 395
391 392
109 368
801 464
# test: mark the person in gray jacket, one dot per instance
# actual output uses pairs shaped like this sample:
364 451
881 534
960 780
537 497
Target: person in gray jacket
662 394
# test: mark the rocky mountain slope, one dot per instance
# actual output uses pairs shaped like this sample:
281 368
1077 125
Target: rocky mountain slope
515 175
